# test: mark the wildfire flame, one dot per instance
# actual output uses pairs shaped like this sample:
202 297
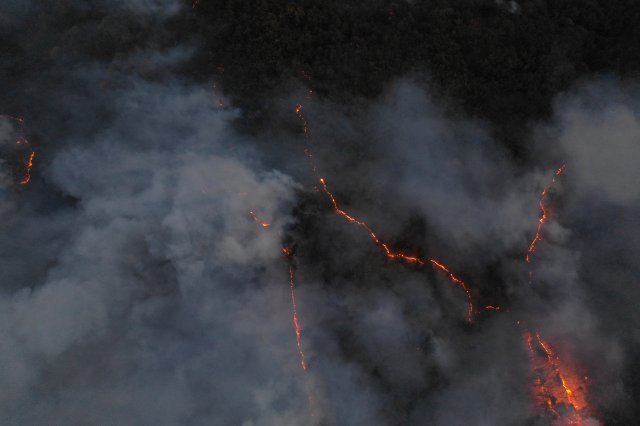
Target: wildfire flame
389 252
258 221
23 141
396 255
288 252
544 216
28 166
557 387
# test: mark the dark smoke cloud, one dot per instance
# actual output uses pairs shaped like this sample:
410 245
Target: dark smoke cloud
137 289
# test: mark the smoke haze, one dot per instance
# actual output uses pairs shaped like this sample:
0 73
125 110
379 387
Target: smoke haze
143 278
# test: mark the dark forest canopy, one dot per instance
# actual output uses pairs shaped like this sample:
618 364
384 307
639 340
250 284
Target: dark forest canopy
498 61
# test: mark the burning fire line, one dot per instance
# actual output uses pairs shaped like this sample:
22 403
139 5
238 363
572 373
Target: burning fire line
395 255
258 221
28 166
553 362
542 394
545 214
296 323
22 140
555 384
389 252
288 253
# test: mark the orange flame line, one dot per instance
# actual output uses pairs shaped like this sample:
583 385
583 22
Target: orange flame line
544 393
22 140
258 221
296 323
552 371
394 255
28 166
556 368
545 214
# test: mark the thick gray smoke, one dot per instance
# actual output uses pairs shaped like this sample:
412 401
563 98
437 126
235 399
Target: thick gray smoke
137 288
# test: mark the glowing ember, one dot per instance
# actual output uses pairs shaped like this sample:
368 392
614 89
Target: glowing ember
395 255
258 221
287 251
545 214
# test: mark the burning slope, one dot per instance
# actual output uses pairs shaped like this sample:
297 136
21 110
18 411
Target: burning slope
558 389
544 215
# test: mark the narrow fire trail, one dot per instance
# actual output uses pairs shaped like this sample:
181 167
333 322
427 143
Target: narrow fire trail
543 396
553 362
307 136
296 323
395 255
23 142
557 388
288 253
544 216
389 252
258 221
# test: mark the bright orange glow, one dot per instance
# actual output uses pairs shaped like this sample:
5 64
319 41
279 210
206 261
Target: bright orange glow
302 118
395 255
28 166
22 140
296 323
459 282
307 135
258 221
557 388
544 215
